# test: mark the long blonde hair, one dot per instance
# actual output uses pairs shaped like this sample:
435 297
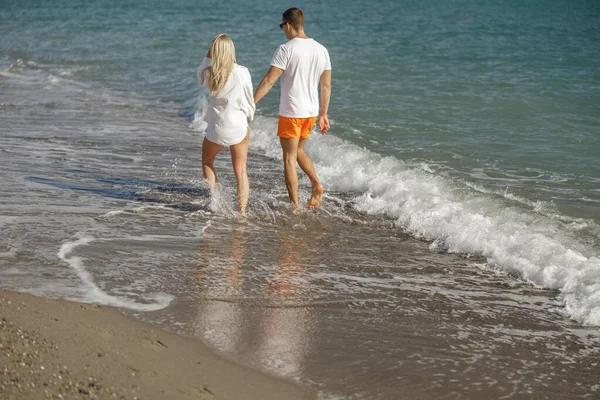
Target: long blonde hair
222 52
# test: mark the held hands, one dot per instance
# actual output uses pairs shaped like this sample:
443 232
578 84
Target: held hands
324 124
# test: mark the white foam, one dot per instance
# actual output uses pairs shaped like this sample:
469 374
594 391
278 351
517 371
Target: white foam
153 238
138 209
6 220
96 295
463 220
11 253
198 123
113 213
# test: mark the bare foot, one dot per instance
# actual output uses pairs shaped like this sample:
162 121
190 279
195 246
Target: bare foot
242 209
315 197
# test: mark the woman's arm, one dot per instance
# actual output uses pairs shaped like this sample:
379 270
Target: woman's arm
207 62
249 97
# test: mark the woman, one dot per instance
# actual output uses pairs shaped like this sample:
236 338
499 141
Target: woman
230 110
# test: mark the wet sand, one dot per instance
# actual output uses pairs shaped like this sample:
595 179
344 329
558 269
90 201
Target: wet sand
61 349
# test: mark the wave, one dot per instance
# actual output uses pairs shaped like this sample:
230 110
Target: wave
515 239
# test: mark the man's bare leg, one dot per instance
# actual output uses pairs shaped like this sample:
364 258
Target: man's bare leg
309 169
290 157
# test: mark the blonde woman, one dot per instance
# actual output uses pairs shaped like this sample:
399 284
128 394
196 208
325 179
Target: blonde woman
230 111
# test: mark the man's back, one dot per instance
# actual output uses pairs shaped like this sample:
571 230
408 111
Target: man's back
304 66
303 61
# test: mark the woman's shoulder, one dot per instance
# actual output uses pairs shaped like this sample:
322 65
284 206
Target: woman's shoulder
240 67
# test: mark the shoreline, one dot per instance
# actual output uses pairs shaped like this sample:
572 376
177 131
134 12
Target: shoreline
63 349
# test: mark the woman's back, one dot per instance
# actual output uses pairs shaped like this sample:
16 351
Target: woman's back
232 108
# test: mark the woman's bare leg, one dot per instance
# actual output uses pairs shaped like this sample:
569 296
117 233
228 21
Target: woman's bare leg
239 159
209 152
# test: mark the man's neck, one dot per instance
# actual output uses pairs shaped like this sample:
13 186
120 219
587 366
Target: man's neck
299 35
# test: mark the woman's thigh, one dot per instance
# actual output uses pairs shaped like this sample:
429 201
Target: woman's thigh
210 151
239 153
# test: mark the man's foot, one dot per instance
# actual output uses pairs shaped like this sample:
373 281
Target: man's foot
315 197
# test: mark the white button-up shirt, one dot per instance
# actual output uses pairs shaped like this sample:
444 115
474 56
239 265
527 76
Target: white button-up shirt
232 109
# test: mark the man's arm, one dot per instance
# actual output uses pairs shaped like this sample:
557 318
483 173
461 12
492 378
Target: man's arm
267 83
325 82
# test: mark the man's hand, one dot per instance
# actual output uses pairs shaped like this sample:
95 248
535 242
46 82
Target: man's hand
325 82
324 124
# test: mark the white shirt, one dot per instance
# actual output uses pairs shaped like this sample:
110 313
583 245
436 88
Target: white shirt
230 110
303 62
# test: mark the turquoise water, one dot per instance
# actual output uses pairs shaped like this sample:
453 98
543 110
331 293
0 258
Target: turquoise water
462 179
506 96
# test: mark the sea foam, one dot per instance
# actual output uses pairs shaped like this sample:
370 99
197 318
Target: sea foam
513 237
94 294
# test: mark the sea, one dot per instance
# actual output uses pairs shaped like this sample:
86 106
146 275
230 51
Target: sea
456 254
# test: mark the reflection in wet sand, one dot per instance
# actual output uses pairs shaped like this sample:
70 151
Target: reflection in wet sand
218 278
287 329
389 319
259 315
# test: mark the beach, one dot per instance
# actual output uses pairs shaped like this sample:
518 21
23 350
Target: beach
60 349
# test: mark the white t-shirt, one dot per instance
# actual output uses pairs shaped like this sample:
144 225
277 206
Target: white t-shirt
303 62
230 110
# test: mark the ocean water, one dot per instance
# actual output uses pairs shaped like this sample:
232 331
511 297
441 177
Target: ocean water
457 251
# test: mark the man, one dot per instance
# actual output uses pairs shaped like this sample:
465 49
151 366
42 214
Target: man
303 65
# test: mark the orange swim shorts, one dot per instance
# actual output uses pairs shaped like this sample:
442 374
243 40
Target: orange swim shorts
295 128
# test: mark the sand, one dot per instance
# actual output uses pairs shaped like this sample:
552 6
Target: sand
61 349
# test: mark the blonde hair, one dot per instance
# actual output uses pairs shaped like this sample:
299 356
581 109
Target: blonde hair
222 52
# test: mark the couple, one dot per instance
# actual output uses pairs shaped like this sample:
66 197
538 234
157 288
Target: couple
303 64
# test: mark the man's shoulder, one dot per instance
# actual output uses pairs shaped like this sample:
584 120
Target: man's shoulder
318 47
303 41
302 45
318 44
285 46
282 48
